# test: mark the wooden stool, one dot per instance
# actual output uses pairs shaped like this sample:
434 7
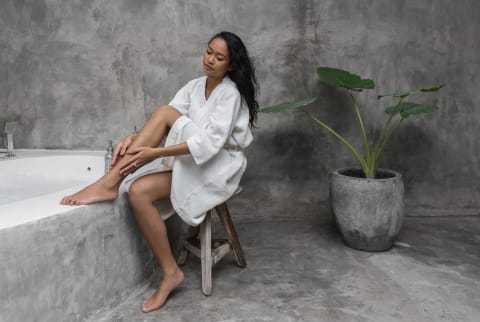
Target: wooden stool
198 241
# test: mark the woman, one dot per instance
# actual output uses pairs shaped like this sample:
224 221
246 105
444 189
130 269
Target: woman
207 124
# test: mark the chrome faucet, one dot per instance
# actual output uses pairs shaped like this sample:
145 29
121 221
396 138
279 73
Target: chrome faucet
10 128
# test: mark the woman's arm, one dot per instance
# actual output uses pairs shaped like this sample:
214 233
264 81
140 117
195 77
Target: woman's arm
211 136
144 155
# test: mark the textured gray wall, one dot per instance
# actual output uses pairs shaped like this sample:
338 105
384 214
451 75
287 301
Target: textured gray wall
75 74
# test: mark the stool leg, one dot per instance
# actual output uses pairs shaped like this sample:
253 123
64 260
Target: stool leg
182 257
206 251
192 232
224 214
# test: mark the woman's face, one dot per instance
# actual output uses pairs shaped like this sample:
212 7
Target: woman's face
216 61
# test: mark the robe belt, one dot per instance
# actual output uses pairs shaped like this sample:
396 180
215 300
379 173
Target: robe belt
231 147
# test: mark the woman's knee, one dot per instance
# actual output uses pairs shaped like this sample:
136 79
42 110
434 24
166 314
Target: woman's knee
150 188
162 109
167 114
136 193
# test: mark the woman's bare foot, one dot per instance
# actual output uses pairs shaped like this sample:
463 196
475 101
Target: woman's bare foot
96 192
169 283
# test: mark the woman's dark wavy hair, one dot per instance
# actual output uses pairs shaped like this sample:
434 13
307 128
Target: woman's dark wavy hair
242 71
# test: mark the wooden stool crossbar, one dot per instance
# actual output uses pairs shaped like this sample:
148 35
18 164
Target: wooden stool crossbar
198 241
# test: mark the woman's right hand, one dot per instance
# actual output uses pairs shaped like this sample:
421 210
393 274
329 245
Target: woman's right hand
121 149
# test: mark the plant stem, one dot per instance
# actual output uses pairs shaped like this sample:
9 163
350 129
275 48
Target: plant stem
383 139
360 159
384 130
387 138
362 127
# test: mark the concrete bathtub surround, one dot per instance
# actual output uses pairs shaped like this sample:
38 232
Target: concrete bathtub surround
76 74
65 267
61 263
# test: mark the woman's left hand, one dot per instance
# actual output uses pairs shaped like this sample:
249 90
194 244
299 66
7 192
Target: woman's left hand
140 157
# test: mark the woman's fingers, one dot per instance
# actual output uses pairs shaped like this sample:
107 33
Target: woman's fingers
116 155
130 167
140 156
121 149
133 164
135 150
124 148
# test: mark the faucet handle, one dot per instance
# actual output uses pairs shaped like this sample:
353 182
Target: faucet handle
10 127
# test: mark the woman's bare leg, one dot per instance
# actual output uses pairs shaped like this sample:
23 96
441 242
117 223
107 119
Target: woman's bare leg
142 194
106 188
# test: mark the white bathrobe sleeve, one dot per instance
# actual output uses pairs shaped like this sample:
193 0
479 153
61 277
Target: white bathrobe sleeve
215 132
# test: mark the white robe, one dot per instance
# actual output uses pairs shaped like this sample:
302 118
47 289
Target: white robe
212 172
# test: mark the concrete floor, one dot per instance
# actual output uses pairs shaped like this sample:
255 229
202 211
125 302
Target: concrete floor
302 271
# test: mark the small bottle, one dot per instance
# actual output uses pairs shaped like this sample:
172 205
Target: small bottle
108 156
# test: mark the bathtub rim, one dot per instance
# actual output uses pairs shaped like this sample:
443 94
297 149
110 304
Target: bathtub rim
20 212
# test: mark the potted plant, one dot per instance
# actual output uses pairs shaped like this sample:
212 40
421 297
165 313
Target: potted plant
367 201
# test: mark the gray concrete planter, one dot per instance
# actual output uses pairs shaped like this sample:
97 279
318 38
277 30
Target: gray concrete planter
368 212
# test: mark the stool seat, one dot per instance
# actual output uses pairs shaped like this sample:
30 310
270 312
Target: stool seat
198 241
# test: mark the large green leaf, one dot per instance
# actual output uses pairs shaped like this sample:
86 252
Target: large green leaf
406 109
342 78
287 106
414 91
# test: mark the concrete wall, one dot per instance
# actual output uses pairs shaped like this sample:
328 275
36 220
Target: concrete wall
75 74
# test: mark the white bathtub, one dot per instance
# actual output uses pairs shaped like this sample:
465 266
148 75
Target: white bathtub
33 182
63 263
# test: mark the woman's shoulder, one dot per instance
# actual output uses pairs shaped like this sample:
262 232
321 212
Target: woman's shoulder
197 81
192 86
229 86
229 83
